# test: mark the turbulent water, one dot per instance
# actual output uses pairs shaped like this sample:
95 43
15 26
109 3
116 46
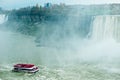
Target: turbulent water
95 58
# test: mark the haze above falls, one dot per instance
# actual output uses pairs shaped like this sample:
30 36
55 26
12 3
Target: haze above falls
102 41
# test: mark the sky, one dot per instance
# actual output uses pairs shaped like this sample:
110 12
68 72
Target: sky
15 4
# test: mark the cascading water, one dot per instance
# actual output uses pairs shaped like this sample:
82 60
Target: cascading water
105 37
3 18
81 60
106 27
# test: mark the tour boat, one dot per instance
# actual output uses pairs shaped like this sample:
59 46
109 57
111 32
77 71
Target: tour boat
30 68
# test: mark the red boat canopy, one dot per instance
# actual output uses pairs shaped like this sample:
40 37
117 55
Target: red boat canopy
24 65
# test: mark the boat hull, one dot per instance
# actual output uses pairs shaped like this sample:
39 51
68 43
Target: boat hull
29 68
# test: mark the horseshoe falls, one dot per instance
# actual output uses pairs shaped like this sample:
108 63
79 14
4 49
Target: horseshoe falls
89 49
106 27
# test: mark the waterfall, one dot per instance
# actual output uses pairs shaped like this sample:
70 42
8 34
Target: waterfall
106 27
3 18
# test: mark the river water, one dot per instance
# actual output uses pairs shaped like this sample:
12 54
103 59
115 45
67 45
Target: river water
89 62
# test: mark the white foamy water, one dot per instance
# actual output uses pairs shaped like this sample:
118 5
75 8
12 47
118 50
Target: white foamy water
3 18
